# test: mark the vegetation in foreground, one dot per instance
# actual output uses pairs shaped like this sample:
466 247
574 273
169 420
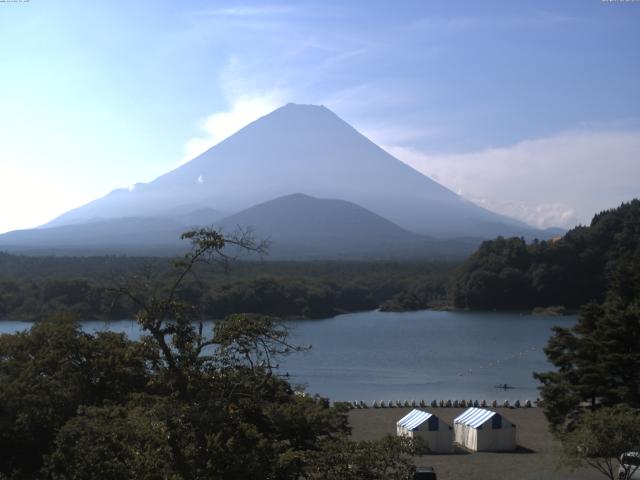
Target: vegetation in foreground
592 399
179 404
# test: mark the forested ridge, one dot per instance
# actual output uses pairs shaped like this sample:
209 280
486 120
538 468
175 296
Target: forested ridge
570 271
33 288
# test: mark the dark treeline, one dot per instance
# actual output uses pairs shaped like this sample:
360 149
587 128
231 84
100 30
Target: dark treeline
575 269
33 288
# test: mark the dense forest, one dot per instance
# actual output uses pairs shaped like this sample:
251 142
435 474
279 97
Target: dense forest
570 271
33 288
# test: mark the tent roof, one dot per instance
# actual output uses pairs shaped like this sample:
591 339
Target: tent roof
474 417
414 419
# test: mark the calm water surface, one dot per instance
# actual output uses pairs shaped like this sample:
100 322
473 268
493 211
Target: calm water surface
415 355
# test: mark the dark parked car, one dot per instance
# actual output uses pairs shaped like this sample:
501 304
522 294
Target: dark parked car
424 473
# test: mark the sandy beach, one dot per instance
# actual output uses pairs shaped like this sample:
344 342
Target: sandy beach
536 458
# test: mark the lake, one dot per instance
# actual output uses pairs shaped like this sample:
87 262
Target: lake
413 355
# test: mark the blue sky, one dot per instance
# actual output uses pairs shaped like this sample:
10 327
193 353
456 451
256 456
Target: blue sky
530 108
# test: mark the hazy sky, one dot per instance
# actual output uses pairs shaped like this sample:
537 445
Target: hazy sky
530 108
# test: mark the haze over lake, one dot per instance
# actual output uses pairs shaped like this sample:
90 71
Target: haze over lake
413 355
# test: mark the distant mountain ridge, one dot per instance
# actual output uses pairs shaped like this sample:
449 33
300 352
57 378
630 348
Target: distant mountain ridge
297 227
299 175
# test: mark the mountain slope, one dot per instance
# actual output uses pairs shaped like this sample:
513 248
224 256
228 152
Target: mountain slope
308 149
130 235
301 225
297 227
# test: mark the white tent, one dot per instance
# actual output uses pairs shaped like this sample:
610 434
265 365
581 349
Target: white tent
437 434
479 429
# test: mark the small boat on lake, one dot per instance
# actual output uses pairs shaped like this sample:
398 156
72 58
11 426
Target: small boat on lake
505 386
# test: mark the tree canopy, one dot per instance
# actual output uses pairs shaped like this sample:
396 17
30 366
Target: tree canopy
181 403
569 271
601 437
597 360
34 288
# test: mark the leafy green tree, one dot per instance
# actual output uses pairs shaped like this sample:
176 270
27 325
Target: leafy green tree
597 361
494 276
111 443
47 372
389 458
600 438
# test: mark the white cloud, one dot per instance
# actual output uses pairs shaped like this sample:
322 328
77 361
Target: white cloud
220 125
555 181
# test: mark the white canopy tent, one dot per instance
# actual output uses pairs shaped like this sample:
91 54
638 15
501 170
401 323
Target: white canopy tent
484 430
437 434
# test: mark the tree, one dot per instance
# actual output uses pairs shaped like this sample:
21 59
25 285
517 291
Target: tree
597 361
226 412
169 320
47 373
601 437
389 458
112 443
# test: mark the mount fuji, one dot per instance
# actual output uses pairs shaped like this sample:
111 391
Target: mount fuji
296 149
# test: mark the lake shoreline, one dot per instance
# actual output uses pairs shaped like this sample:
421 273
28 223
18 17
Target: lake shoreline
536 312
422 355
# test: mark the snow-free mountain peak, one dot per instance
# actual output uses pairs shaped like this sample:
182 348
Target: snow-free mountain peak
303 149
